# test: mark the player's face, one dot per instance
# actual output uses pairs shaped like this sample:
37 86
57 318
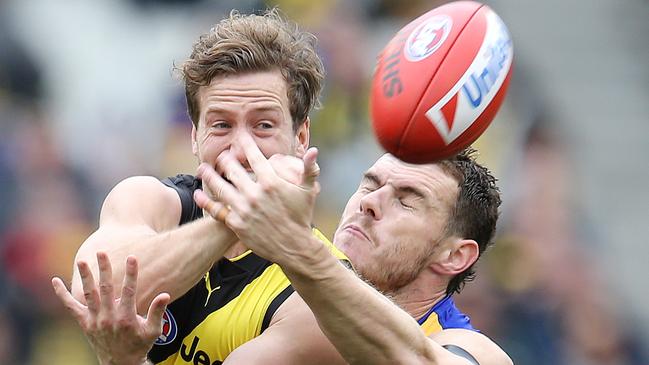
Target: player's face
394 221
255 104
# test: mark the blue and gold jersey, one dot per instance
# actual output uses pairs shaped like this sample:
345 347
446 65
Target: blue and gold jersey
233 303
444 315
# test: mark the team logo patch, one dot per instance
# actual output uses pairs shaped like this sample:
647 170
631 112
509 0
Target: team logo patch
427 37
169 329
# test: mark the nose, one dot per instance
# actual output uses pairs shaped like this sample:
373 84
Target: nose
370 204
236 147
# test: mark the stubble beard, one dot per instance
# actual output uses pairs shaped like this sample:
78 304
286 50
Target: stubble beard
390 278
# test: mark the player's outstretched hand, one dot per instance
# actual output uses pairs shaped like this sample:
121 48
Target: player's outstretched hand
271 211
115 331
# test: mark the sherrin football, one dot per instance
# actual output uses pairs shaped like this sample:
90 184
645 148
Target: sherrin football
440 81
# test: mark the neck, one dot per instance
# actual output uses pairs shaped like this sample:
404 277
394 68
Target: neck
417 298
235 250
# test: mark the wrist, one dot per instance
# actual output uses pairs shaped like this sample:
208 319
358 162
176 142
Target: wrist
313 262
221 239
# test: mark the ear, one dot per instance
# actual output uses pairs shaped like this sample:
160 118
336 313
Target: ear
456 257
194 141
302 138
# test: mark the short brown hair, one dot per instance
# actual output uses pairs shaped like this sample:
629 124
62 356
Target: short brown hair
475 212
250 43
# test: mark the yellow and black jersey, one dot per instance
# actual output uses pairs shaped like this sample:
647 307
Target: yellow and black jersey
232 304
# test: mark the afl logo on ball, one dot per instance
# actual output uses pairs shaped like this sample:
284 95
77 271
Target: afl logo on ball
169 329
427 37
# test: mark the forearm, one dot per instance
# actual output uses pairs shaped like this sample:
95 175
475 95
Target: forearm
171 261
175 260
362 324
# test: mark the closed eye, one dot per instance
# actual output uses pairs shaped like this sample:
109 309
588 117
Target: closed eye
404 204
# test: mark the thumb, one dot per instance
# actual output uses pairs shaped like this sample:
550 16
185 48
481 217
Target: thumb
155 313
311 169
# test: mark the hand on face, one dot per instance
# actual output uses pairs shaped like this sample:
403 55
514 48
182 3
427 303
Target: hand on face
269 211
113 328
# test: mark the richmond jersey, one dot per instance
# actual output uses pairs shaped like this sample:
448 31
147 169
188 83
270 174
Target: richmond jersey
232 304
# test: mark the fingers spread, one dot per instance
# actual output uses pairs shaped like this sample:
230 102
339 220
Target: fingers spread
129 288
89 287
75 308
154 315
106 291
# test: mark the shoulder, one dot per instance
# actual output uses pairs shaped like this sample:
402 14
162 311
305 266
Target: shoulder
140 189
142 199
486 351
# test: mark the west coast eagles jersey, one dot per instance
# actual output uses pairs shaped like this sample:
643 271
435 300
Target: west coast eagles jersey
444 315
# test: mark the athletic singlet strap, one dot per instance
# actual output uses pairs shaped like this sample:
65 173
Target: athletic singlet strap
185 186
457 350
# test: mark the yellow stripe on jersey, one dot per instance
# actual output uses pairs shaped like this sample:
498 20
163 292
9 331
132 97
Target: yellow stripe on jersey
237 322
333 249
431 325
240 320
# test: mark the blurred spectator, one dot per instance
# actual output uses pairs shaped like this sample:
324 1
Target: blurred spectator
19 74
47 220
87 97
546 301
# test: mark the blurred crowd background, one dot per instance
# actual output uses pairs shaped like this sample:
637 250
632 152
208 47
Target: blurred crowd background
88 96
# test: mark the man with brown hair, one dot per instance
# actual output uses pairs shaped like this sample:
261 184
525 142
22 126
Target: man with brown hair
409 229
251 76
414 231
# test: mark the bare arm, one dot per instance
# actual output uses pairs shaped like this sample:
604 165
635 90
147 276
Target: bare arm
365 326
140 217
478 345
272 216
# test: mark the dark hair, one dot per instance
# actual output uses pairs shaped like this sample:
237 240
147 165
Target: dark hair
250 43
475 212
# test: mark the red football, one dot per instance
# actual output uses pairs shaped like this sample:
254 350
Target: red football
440 81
